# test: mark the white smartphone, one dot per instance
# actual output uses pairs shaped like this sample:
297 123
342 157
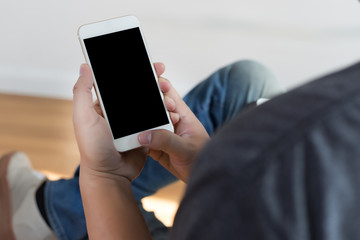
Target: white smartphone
124 79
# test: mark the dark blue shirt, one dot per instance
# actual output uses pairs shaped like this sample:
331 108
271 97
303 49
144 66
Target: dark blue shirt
288 169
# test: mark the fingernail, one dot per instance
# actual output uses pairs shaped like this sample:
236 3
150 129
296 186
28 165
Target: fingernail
145 138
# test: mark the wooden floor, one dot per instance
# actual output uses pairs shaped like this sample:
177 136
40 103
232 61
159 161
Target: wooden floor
42 128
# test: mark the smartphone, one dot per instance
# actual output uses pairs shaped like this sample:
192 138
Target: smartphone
124 79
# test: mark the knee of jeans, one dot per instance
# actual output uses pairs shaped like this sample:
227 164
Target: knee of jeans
255 77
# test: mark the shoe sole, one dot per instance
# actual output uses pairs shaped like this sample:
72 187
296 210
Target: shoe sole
6 228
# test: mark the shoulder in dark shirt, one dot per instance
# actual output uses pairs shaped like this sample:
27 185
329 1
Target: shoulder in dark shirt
288 169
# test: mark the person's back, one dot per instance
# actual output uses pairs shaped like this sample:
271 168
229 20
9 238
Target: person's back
288 169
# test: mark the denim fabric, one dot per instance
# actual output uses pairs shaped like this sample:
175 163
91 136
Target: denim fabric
288 169
214 101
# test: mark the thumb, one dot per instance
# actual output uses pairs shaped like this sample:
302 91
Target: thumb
82 92
162 140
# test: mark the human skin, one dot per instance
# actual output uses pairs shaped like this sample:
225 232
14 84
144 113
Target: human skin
105 174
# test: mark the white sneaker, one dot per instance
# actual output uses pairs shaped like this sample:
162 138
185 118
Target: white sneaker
23 181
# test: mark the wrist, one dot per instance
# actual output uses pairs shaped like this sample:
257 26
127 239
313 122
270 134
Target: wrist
93 178
109 198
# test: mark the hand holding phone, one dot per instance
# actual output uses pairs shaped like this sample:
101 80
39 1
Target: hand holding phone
124 79
94 138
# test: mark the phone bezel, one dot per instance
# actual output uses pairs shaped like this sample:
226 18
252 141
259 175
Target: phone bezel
90 30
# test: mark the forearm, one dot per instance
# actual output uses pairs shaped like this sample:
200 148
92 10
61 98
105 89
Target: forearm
111 200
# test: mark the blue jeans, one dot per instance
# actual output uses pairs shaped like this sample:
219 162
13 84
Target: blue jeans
214 101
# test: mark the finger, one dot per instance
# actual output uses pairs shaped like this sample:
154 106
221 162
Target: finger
175 118
170 104
136 158
163 140
165 85
82 95
170 92
162 158
97 108
159 68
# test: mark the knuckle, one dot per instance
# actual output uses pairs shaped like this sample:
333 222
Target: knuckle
164 80
76 88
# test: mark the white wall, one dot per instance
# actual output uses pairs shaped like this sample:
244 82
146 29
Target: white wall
297 39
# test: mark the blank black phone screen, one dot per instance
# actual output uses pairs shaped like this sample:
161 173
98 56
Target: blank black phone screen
126 82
